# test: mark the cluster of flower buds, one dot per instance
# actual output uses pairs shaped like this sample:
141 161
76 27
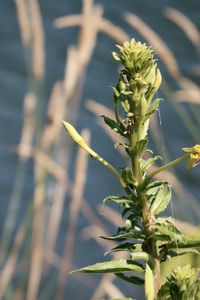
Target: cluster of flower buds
183 283
138 82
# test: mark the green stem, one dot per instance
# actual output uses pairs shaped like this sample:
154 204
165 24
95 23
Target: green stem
77 138
111 168
167 166
146 215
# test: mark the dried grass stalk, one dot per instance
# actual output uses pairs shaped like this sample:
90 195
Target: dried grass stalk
37 39
30 23
190 91
78 188
111 215
189 28
115 32
10 265
76 66
90 16
37 233
23 20
26 139
106 287
56 112
105 26
45 161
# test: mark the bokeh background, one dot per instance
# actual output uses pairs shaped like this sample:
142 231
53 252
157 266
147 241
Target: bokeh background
55 64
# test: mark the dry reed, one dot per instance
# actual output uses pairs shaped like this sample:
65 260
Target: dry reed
51 154
75 205
188 27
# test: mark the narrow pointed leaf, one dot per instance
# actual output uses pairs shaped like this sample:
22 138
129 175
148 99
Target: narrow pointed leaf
112 266
122 247
118 199
116 56
116 93
124 236
114 125
149 283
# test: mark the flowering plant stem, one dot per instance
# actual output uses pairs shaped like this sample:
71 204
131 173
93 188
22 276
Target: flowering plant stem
167 166
147 238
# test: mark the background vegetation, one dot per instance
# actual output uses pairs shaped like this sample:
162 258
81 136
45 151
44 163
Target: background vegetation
55 59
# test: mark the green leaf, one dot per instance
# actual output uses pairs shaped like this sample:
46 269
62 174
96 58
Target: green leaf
132 279
149 283
133 211
145 164
161 199
116 92
125 103
114 125
116 56
141 256
183 284
112 266
123 247
128 177
151 187
151 110
165 230
178 252
118 199
126 247
126 93
140 146
164 292
121 237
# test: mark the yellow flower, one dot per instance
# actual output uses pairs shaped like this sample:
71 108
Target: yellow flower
193 156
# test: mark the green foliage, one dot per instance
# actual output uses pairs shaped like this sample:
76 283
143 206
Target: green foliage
159 198
131 279
149 283
183 284
113 266
148 239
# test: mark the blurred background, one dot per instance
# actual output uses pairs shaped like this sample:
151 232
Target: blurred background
55 64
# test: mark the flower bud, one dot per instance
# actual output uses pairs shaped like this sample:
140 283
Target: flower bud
158 80
150 77
77 138
122 85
